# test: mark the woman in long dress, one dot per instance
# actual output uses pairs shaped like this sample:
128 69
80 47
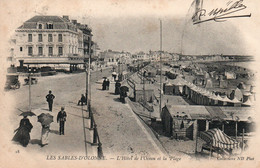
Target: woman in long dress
23 132
45 134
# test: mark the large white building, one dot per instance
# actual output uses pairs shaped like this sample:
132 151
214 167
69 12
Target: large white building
50 40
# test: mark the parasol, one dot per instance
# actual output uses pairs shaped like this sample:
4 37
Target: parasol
45 119
114 73
27 113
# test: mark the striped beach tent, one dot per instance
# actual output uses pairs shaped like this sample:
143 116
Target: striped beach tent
219 139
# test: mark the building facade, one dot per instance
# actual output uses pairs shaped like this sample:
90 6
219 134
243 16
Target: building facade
51 40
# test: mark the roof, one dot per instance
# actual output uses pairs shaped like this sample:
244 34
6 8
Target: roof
212 112
147 87
42 18
57 21
243 113
193 112
178 81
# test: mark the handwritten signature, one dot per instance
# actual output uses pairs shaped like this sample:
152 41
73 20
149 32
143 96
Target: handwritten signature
219 14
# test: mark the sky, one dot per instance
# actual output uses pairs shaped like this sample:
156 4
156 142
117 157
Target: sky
134 26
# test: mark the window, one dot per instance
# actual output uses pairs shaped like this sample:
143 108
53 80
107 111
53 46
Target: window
40 37
40 26
21 48
50 51
49 26
60 51
29 37
40 50
30 51
49 37
60 37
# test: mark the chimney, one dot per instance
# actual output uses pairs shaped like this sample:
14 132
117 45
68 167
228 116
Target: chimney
74 21
66 17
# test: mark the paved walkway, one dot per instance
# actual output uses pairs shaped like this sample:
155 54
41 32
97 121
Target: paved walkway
121 131
73 143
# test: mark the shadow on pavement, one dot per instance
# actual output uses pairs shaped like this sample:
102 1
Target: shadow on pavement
45 109
75 115
35 141
117 100
55 132
79 108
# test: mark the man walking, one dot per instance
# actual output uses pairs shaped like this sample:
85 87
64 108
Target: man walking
49 99
62 118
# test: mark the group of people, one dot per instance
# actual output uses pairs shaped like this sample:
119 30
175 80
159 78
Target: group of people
22 133
105 84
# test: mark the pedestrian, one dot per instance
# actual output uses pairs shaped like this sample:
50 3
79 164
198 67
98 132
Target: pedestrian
107 85
62 118
23 132
104 84
49 99
82 100
117 87
45 134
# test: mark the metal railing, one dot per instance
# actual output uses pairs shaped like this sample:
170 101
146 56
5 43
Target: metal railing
96 138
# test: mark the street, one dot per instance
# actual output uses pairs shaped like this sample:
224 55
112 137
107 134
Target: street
121 132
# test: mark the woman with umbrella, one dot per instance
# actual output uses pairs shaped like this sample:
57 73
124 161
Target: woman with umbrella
45 120
23 132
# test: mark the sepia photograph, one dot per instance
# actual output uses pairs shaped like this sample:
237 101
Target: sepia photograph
121 83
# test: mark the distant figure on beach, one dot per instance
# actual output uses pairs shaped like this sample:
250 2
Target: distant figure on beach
49 99
23 132
61 118
82 100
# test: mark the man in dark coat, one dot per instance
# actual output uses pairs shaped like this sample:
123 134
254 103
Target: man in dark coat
62 118
49 99
104 84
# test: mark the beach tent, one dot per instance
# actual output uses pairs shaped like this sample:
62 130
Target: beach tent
216 138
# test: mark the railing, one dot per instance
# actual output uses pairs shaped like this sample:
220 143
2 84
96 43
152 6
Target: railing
96 138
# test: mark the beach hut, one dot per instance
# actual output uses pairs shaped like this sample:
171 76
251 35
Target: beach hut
181 121
168 88
178 84
226 100
248 103
236 102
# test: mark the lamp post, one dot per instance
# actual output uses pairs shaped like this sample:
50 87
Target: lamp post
160 106
30 81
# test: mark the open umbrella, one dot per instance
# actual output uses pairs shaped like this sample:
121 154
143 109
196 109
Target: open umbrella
27 113
45 119
114 73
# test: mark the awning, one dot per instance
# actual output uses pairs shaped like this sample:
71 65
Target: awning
219 139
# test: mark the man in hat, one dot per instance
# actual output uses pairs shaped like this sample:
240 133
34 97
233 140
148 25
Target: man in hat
49 99
62 118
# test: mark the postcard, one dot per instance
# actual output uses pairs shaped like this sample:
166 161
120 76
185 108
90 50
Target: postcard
121 83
